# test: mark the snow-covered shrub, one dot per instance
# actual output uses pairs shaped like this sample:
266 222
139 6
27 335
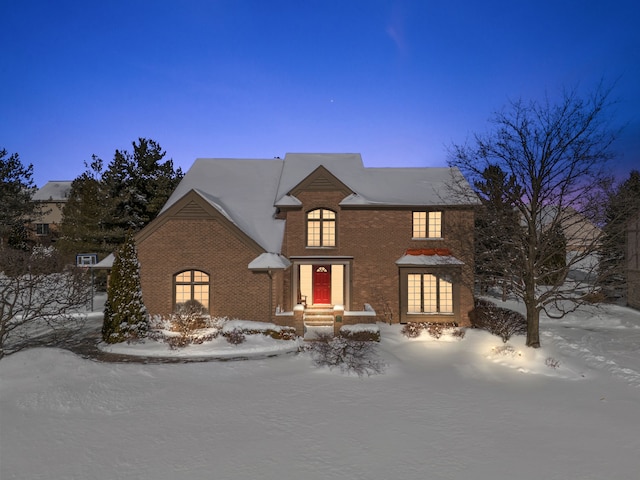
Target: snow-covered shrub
184 328
434 329
498 321
282 333
350 356
276 332
361 332
552 363
235 336
411 329
506 351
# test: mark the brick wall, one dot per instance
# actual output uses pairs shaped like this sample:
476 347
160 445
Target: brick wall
376 238
204 244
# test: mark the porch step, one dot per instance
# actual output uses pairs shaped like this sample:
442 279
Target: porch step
317 319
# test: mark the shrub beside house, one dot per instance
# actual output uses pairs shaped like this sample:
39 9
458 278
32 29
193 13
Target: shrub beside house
312 239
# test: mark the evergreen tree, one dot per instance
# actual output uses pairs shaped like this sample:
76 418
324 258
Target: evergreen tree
497 228
553 258
622 202
139 184
125 316
83 228
17 207
107 203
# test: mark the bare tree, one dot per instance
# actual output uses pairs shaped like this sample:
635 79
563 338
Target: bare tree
40 300
553 158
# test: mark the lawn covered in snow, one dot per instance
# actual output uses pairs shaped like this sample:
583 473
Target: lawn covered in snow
443 409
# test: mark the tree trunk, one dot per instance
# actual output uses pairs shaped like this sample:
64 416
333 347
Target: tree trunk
533 326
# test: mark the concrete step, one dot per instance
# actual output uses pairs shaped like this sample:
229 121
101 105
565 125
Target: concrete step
317 317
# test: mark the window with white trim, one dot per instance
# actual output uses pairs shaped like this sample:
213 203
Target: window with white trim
191 286
321 228
429 293
427 224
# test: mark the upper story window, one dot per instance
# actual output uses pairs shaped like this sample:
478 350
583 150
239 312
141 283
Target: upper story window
321 228
192 290
427 224
42 229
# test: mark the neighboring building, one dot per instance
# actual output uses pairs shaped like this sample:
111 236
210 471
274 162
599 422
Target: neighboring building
51 199
312 239
633 261
580 233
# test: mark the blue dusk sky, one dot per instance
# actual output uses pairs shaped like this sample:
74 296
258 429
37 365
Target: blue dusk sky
395 80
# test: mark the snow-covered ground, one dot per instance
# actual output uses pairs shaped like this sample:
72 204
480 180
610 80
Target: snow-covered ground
444 409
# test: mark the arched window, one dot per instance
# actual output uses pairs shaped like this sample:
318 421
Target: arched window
191 289
321 228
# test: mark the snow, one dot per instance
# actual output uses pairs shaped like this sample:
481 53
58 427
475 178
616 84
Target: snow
55 190
361 327
269 261
254 346
428 260
443 409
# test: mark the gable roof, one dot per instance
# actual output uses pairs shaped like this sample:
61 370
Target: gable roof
376 186
54 191
248 191
242 190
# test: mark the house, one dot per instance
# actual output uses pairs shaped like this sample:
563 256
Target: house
51 199
312 239
633 261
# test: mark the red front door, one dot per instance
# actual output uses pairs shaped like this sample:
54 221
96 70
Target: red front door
322 284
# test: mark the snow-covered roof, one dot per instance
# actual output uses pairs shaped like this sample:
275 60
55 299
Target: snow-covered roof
241 189
377 186
54 191
269 261
248 191
347 167
428 260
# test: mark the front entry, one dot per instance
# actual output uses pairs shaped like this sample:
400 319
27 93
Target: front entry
322 284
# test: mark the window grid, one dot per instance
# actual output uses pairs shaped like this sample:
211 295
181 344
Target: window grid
42 229
428 293
419 224
414 297
427 224
435 224
321 228
192 285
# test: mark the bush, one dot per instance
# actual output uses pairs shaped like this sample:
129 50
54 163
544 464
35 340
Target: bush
283 333
351 356
435 329
189 327
552 363
496 320
412 329
235 336
360 335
